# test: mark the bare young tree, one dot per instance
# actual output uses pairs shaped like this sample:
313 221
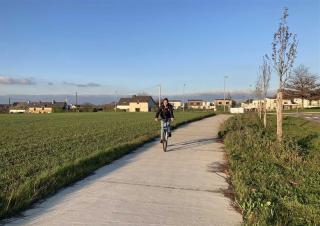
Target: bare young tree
258 91
284 51
303 84
265 76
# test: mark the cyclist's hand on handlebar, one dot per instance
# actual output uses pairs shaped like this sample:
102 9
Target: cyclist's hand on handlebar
172 119
156 119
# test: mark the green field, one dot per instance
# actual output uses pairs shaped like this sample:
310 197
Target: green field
42 153
306 110
275 184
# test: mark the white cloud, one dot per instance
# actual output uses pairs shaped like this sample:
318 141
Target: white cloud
5 80
90 84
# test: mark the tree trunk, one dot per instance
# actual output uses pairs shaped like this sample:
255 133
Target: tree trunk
302 103
279 114
265 113
260 110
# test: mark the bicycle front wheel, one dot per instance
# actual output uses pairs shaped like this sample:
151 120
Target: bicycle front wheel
165 141
164 144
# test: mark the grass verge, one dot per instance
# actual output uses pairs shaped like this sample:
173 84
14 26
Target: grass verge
275 184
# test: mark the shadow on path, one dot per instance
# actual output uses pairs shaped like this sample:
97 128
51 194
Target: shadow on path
221 170
192 143
49 203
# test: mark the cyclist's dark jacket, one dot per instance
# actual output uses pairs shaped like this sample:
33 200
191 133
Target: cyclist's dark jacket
165 112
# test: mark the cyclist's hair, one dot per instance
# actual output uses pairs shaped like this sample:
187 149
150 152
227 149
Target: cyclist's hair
165 99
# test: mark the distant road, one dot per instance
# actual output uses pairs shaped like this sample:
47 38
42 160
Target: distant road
312 117
185 186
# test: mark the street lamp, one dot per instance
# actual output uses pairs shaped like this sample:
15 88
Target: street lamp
224 93
115 103
159 90
184 99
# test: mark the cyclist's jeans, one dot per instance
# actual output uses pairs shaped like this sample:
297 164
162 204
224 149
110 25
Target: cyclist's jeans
162 125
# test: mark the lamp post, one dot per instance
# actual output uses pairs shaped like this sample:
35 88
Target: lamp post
159 86
115 102
184 99
76 98
224 93
251 93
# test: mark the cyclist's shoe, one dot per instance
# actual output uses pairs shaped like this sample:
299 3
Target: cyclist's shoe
169 134
161 141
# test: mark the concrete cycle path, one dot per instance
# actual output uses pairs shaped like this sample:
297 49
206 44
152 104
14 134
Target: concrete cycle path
184 186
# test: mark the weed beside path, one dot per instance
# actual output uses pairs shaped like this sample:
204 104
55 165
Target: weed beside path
275 184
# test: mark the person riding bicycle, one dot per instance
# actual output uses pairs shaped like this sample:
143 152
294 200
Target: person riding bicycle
165 111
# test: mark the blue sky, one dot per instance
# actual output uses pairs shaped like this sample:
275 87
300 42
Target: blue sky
100 47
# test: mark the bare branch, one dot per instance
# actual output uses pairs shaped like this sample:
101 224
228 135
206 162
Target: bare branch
284 50
303 84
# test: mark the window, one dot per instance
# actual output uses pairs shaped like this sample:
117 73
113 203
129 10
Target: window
220 102
227 102
137 109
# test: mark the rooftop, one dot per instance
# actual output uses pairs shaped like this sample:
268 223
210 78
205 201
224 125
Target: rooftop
134 98
124 101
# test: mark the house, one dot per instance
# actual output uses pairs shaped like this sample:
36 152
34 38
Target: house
177 104
46 107
220 103
17 111
141 103
256 104
136 104
209 105
271 105
307 103
248 106
287 104
38 107
18 107
200 104
123 104
195 104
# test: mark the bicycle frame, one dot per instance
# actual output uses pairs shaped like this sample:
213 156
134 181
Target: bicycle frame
166 125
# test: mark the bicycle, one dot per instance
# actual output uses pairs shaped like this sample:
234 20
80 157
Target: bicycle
166 125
